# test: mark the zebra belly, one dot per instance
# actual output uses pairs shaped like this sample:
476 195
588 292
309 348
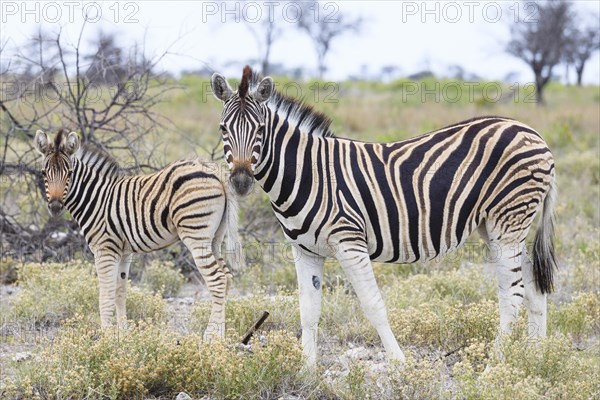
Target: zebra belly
155 244
400 236
407 255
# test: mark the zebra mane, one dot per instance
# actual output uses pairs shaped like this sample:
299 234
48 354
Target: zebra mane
303 115
98 159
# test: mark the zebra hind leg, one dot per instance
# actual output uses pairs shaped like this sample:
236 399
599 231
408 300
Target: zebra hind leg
216 281
510 283
510 288
216 249
357 266
535 301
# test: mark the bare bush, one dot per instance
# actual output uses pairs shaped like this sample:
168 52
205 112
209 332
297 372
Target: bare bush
107 96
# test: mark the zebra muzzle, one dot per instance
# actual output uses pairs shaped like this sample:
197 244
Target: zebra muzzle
242 181
55 207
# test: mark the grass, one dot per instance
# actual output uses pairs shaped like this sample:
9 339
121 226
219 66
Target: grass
151 359
52 293
443 313
162 278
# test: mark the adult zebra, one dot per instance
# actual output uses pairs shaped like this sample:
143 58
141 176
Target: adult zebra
120 215
417 199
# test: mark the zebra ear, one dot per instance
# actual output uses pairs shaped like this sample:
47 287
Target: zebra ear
41 142
264 89
220 87
72 144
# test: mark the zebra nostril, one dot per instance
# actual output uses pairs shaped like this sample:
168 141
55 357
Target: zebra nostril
242 181
55 207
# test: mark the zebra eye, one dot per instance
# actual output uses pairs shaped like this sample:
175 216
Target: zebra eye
222 128
261 130
44 173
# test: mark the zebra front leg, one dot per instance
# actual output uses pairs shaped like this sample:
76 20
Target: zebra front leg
358 269
309 270
106 269
121 293
535 301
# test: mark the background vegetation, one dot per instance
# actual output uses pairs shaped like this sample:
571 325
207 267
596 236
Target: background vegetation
443 313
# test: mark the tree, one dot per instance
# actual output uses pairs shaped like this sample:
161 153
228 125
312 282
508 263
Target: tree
266 31
323 29
582 43
541 42
106 65
48 89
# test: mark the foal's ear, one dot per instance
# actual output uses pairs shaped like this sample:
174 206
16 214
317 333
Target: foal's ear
41 142
220 87
72 144
264 89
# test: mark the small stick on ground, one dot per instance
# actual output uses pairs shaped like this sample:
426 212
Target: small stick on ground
454 351
254 328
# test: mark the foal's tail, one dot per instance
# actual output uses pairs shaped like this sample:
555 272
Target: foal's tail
235 254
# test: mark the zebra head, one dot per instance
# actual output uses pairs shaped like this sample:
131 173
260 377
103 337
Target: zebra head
243 125
57 166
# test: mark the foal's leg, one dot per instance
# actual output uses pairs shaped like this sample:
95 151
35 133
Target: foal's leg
106 267
121 293
216 249
216 281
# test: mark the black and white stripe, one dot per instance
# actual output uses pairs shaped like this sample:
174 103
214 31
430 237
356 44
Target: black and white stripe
120 215
401 202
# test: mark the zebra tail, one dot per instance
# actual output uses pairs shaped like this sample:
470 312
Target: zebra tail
544 260
234 244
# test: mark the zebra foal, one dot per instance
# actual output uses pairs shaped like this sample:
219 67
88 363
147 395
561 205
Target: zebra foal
120 215
417 199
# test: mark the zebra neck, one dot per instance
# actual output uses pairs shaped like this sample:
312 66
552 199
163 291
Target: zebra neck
88 193
284 153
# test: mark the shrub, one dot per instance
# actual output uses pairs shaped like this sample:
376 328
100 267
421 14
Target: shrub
418 379
54 292
242 312
343 318
526 369
161 277
577 318
153 360
8 271
448 326
464 285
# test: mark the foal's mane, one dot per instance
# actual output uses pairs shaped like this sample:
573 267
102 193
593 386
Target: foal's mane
98 159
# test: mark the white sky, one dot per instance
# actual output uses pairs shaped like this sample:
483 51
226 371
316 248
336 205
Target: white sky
412 35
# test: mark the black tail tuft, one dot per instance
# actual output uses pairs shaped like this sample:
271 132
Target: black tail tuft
544 260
